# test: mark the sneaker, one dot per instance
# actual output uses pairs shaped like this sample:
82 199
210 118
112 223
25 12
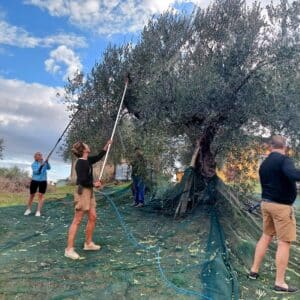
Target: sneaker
253 275
281 290
133 204
71 254
140 205
27 212
38 214
91 246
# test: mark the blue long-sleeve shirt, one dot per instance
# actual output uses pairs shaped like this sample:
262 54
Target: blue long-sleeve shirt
39 176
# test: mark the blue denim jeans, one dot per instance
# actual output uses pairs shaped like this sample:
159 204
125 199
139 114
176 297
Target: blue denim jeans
139 189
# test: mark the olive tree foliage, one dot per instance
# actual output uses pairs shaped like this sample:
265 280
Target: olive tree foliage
236 73
211 79
98 98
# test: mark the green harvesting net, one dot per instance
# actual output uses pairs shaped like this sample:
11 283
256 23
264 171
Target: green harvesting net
145 254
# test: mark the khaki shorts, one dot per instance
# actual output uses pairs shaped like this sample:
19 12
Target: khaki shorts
279 220
86 200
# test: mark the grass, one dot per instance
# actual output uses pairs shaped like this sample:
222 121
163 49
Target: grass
54 193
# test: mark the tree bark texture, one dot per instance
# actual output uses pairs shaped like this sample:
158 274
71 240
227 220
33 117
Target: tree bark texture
204 166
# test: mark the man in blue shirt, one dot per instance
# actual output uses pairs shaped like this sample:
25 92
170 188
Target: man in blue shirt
278 177
38 182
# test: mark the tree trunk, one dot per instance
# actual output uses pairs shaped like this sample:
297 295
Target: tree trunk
204 165
186 193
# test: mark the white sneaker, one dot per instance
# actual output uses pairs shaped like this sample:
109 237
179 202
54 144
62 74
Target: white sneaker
91 246
38 214
71 254
27 212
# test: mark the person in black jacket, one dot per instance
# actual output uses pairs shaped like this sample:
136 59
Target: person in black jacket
139 172
278 177
84 197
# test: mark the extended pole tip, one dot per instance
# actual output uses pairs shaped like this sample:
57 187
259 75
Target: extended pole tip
128 78
78 107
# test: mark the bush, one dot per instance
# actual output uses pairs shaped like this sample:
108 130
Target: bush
14 180
13 173
14 186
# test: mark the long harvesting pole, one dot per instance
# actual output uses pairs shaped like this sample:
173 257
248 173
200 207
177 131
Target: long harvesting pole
115 126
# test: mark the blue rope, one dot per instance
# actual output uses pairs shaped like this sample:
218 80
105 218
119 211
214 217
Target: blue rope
135 243
124 225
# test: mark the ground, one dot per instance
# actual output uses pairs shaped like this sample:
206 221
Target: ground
144 255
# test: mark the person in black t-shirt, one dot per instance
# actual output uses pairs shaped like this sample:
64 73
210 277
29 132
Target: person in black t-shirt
84 197
278 177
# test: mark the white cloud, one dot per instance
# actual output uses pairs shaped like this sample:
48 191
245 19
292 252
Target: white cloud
70 40
6 119
31 116
108 17
63 56
17 36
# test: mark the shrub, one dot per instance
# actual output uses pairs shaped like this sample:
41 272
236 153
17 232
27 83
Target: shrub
14 180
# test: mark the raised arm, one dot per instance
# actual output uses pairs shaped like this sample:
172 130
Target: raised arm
93 159
96 158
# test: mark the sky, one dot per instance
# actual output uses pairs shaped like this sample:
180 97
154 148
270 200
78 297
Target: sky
42 43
